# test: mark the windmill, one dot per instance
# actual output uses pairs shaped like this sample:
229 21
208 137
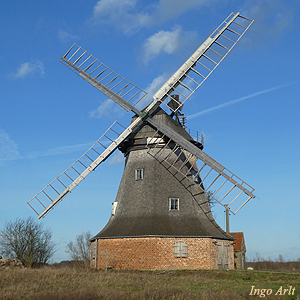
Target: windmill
167 176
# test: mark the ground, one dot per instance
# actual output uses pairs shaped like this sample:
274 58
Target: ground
75 283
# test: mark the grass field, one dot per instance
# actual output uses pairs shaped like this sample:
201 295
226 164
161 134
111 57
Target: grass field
74 283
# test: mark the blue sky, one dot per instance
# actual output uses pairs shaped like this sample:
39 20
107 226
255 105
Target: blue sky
248 110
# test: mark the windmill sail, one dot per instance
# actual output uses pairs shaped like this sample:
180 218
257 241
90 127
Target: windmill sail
56 190
107 81
231 180
185 81
192 74
213 178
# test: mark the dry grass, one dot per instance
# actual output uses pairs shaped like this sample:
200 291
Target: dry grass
73 283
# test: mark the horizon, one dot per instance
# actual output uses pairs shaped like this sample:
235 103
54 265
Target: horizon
247 110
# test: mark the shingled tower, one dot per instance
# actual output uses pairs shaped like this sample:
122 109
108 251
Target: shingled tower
161 217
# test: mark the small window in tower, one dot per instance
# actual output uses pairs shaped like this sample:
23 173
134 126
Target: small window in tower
114 208
180 249
173 203
195 176
139 174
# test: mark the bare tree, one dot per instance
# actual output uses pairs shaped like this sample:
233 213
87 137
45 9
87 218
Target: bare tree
105 256
211 200
80 251
28 241
280 258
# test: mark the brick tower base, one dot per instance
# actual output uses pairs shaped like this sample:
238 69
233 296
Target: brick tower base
154 253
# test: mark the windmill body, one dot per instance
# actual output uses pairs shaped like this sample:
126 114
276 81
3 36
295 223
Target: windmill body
157 206
147 189
161 217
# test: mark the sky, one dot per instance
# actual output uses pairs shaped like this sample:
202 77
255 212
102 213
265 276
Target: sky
247 110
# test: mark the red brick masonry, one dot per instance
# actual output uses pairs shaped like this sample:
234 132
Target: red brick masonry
153 253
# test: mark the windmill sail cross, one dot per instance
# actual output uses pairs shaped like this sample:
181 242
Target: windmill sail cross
184 82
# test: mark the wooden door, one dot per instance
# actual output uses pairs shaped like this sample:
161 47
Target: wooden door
222 255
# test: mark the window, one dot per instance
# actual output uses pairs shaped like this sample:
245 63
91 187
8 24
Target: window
114 208
195 176
180 249
173 203
139 174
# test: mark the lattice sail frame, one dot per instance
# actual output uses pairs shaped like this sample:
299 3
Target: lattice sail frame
194 72
44 201
128 95
217 185
109 82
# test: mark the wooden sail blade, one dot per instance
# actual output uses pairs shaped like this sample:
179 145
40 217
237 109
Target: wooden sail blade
44 201
211 176
116 87
200 65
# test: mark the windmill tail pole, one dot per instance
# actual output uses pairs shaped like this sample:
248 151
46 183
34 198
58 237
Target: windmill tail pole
227 218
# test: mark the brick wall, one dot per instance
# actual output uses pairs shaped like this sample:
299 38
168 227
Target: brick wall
150 253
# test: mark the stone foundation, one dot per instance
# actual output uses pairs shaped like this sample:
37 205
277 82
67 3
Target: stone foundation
157 253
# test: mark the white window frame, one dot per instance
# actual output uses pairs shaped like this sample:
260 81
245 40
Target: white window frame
180 249
195 176
176 204
139 174
114 208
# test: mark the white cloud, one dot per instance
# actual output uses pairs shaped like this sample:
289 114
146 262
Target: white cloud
121 13
162 41
117 159
126 14
132 15
66 149
60 150
29 68
156 84
110 108
8 148
271 17
170 42
168 9
65 36
113 7
107 108
151 89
